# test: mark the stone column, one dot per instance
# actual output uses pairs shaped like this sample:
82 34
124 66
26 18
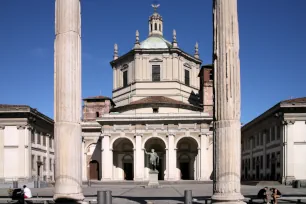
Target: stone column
67 101
290 159
107 159
227 135
171 158
2 151
138 159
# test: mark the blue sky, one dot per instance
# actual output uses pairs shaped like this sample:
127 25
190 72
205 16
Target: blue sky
272 40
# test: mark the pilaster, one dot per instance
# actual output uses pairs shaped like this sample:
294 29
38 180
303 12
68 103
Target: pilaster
138 159
2 151
290 159
48 172
171 158
202 152
22 151
107 159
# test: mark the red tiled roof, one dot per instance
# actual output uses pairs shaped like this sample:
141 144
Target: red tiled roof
157 99
97 97
13 106
295 100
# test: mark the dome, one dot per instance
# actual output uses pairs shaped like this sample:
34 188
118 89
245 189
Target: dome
155 42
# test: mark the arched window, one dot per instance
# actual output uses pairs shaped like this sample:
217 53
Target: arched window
151 27
155 26
159 27
97 114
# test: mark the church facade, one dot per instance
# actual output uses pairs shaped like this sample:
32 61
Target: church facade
162 100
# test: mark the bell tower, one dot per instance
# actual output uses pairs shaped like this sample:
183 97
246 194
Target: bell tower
155 22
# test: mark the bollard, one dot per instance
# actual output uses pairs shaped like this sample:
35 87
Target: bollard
188 197
101 197
108 197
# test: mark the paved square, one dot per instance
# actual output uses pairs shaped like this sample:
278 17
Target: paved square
168 194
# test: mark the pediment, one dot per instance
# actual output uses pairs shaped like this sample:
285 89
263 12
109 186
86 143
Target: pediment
156 60
187 65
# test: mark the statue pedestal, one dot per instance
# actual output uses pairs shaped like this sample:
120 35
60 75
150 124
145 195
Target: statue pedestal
153 179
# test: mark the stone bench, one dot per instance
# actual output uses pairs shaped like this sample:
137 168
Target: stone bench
42 200
298 199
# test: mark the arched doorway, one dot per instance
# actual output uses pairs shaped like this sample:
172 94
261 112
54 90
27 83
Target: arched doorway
160 148
123 160
187 160
94 170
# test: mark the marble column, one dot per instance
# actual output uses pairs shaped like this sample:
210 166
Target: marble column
138 159
67 101
2 151
227 135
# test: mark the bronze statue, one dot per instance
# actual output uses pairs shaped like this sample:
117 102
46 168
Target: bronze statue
154 159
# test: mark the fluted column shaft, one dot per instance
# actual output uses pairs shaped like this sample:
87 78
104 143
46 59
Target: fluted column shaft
227 134
67 100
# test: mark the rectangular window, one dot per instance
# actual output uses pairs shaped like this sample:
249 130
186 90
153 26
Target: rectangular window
268 161
45 178
278 159
33 162
273 133
50 142
44 140
38 138
187 77
32 136
50 164
278 134
155 73
125 78
267 134
261 162
254 163
262 138
38 158
44 163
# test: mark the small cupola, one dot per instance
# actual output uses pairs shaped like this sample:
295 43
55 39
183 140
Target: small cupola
155 22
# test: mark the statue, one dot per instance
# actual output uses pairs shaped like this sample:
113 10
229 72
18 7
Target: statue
154 159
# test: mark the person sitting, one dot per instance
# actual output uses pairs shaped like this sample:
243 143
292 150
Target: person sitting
275 194
27 192
263 194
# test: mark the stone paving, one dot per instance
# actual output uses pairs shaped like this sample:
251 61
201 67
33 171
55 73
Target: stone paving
167 194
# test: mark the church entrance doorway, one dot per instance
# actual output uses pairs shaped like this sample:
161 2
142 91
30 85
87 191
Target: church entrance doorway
128 167
160 148
184 167
123 159
187 152
94 170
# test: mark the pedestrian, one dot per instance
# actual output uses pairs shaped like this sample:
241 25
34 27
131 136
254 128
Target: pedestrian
263 194
27 192
275 195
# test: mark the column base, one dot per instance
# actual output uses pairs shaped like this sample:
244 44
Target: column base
228 198
69 198
289 180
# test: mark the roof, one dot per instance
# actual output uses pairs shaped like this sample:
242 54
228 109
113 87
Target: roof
13 108
156 101
155 42
295 100
98 98
290 103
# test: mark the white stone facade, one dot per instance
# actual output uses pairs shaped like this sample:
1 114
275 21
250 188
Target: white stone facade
273 143
156 106
26 139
